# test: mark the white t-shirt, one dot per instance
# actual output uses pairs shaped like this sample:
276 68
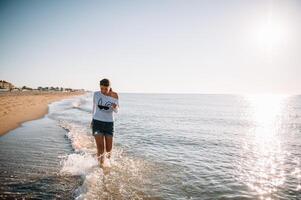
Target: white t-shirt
105 115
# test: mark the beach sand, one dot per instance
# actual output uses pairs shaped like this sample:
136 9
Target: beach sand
19 107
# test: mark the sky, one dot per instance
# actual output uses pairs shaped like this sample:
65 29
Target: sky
157 46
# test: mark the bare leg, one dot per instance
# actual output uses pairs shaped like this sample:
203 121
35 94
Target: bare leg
100 146
109 142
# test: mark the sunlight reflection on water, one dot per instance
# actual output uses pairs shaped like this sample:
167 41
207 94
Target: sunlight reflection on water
263 169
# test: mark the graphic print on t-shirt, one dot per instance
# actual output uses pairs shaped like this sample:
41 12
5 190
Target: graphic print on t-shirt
106 106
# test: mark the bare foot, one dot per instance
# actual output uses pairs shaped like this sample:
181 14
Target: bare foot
109 155
101 159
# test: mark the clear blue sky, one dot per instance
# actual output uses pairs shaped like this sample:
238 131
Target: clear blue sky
210 46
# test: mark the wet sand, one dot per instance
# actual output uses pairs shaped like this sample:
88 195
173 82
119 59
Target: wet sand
19 107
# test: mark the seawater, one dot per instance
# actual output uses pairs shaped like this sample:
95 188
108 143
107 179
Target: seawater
166 146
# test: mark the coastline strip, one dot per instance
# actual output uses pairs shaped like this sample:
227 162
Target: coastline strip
19 107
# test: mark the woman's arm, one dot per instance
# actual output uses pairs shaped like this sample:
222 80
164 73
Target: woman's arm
115 106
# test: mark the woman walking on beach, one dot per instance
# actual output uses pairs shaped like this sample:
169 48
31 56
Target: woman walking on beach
105 103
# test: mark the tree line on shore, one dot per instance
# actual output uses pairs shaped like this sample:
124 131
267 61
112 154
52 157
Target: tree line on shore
7 86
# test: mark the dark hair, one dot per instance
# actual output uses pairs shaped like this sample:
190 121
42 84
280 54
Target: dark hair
105 82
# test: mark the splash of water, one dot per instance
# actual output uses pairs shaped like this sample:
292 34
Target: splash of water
123 180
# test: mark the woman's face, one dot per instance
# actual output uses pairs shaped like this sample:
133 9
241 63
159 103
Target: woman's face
104 89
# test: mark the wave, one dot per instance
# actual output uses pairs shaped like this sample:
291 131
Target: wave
82 104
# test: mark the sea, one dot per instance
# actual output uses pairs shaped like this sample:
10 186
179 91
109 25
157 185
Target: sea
165 146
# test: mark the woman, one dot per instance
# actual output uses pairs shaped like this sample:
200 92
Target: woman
105 102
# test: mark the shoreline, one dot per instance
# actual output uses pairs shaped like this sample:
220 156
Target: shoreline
19 107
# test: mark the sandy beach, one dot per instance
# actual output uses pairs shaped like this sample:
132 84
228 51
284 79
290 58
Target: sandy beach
19 107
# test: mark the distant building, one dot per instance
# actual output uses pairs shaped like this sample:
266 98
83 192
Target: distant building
6 85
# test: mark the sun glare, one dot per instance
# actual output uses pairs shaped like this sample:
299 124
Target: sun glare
271 34
265 173
265 110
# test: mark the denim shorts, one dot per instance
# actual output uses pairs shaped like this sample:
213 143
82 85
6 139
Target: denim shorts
102 128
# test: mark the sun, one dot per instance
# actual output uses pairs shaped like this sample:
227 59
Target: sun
271 34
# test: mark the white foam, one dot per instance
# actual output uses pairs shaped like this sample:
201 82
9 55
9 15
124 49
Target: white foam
82 103
78 164
80 137
77 102
82 161
124 175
